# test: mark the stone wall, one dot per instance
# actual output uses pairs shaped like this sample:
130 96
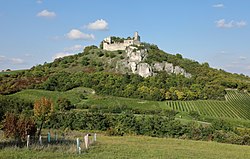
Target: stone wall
114 46
108 45
119 46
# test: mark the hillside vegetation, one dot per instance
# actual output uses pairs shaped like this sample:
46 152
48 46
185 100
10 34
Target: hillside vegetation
95 91
97 69
123 116
236 105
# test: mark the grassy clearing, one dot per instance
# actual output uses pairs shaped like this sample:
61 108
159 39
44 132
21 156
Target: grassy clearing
92 99
109 101
11 72
73 95
135 147
234 108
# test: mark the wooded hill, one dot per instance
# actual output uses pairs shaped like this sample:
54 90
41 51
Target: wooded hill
97 69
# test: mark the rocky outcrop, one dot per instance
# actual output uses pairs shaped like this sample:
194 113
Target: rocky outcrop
134 63
179 70
144 70
169 67
135 55
158 66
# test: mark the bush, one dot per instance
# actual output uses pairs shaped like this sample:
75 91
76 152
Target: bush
112 55
83 106
194 114
122 57
18 126
152 125
114 132
64 104
245 140
82 96
100 53
85 61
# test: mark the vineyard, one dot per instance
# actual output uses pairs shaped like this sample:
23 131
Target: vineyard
236 105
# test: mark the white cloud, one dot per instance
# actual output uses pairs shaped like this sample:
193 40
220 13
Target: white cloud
61 54
242 58
2 58
76 34
74 48
220 5
222 24
241 24
39 1
68 51
46 13
14 61
232 24
99 24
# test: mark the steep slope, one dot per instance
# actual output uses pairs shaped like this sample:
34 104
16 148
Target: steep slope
136 62
119 73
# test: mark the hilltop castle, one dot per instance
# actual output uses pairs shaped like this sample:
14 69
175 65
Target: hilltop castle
110 45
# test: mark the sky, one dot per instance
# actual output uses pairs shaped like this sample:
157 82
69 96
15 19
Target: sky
215 31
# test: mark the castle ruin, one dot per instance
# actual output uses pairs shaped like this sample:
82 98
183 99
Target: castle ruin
110 45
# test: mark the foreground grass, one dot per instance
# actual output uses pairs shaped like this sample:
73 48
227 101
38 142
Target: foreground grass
134 147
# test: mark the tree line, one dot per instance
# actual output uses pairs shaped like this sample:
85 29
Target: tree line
160 87
18 123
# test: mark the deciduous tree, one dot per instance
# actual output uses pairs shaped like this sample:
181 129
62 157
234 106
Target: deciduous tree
43 108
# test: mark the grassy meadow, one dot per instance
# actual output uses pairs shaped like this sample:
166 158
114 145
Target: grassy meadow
141 146
135 147
235 108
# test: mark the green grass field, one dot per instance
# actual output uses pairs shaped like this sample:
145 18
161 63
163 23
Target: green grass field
11 72
236 106
136 147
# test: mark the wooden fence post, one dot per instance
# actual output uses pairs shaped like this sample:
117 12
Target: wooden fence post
86 140
95 137
78 148
40 140
28 140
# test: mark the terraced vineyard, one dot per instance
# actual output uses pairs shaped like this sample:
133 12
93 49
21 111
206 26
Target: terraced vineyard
236 105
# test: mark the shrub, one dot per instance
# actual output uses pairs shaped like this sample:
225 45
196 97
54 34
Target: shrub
112 55
64 104
18 126
194 114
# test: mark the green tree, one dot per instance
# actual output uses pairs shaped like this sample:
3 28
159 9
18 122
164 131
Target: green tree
167 95
64 104
43 109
